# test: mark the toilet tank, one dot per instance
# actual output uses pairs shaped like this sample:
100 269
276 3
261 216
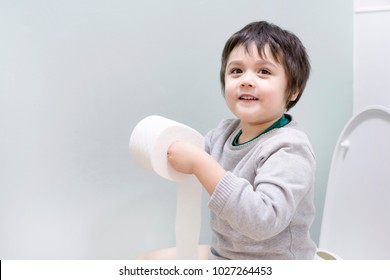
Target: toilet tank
371 54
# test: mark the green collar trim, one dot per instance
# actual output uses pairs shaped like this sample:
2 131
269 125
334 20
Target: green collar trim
285 119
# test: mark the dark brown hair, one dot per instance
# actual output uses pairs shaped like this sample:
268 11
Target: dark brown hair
285 47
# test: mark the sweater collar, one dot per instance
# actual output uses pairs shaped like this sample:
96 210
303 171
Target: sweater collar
285 119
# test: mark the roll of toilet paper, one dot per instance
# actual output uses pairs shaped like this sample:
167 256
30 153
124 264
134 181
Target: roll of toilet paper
148 145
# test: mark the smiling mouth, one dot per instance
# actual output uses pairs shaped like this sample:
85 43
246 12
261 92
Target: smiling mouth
247 97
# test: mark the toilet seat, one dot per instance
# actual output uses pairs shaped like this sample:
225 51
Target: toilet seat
356 219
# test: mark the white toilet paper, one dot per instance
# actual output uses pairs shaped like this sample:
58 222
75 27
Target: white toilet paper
148 145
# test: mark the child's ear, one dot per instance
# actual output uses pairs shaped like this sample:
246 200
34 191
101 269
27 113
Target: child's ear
294 95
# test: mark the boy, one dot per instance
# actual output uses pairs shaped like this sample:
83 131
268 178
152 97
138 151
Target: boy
259 168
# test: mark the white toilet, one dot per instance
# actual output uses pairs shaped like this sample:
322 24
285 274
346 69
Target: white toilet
356 217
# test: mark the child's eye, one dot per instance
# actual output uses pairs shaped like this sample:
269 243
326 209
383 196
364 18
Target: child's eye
264 72
236 71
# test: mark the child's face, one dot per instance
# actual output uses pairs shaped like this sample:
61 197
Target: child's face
255 87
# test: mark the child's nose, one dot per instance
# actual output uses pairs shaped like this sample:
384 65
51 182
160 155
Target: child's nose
248 80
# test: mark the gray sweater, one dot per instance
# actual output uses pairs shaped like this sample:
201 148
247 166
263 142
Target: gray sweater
263 207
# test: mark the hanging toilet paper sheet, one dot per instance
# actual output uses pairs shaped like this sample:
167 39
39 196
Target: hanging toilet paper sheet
149 143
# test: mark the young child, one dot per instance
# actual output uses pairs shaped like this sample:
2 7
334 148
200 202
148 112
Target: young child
259 168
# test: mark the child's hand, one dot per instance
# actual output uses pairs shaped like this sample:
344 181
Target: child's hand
184 156
190 159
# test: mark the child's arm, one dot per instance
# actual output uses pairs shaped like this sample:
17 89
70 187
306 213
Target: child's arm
187 158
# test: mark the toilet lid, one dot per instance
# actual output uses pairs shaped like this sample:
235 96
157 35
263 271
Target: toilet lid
356 219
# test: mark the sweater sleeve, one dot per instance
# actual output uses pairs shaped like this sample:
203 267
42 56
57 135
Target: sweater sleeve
265 207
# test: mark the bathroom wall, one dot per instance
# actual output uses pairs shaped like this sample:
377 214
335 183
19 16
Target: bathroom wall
76 77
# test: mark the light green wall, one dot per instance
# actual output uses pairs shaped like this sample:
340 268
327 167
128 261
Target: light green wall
76 77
